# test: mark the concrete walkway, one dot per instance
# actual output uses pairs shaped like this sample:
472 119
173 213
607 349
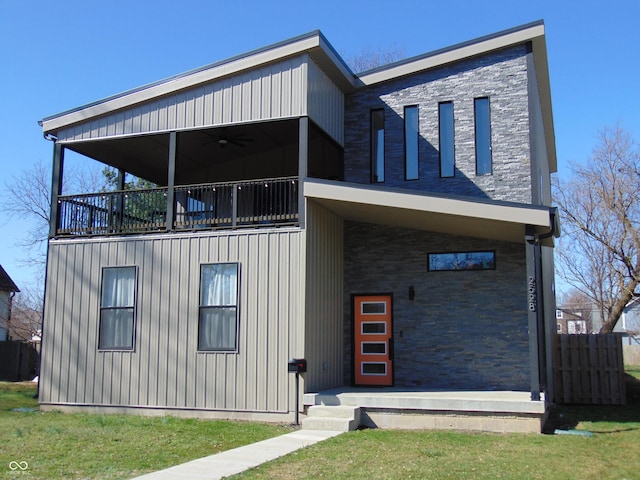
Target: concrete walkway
239 459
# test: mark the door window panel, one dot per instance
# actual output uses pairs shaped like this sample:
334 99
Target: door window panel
370 368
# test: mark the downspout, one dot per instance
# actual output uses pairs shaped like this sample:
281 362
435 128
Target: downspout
53 139
555 230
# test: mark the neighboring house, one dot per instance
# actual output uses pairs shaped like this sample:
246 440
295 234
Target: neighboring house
26 324
7 291
572 322
393 228
629 323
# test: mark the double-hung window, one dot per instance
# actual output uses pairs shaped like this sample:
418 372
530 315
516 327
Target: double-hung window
218 322
447 139
377 146
483 136
117 307
411 142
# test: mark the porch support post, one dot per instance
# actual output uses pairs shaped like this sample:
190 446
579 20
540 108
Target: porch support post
171 180
234 206
120 180
120 200
531 249
303 154
56 187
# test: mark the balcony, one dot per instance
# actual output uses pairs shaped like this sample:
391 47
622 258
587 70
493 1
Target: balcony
251 203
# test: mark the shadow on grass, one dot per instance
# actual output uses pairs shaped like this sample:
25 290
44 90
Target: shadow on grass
567 417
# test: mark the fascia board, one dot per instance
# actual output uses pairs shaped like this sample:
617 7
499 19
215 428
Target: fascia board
453 54
544 87
523 215
309 43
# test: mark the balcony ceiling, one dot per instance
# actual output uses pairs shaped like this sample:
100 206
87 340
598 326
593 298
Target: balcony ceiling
147 156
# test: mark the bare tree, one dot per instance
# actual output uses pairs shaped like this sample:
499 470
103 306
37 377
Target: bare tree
27 197
600 207
25 322
371 57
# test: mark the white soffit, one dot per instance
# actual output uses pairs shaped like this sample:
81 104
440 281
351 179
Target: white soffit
456 216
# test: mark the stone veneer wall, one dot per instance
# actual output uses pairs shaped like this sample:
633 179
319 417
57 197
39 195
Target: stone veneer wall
464 330
501 76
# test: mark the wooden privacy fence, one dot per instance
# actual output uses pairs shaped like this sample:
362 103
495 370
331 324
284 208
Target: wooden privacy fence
18 361
589 369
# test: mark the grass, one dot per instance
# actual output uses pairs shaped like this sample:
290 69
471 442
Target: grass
73 446
611 452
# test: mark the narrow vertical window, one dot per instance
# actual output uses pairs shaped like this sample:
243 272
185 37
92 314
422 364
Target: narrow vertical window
117 304
447 140
218 322
377 146
483 136
411 142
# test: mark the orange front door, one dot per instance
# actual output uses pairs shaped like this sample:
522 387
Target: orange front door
372 340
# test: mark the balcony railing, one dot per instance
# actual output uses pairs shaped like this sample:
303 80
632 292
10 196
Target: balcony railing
266 202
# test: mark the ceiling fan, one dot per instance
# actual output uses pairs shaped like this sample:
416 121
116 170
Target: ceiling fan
223 139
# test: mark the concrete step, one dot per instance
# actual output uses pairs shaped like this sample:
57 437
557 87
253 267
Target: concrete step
338 418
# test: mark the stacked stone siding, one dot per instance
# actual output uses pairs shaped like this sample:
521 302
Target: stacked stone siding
501 76
464 329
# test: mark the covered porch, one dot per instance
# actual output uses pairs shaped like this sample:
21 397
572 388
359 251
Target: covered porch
225 177
468 347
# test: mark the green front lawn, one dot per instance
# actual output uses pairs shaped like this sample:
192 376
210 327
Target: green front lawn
611 452
74 446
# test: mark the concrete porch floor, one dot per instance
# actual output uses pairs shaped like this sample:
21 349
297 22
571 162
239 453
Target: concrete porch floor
402 408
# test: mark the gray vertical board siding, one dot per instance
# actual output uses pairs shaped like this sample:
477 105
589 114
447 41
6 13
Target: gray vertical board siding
540 175
501 76
326 103
324 313
269 92
165 369
287 89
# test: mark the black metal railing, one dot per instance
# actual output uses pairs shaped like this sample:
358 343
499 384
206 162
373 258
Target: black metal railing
265 202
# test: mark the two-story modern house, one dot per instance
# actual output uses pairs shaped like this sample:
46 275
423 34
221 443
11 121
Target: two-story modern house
394 228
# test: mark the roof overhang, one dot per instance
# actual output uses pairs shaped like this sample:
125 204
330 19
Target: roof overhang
320 50
313 43
531 32
6 284
479 218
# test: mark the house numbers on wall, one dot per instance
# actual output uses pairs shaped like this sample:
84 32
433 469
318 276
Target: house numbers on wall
533 294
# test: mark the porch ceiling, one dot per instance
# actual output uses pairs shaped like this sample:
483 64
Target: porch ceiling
444 214
147 156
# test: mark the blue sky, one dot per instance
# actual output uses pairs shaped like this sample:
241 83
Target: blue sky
57 56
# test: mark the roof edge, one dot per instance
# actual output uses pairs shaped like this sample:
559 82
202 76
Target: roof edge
307 42
6 284
455 53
